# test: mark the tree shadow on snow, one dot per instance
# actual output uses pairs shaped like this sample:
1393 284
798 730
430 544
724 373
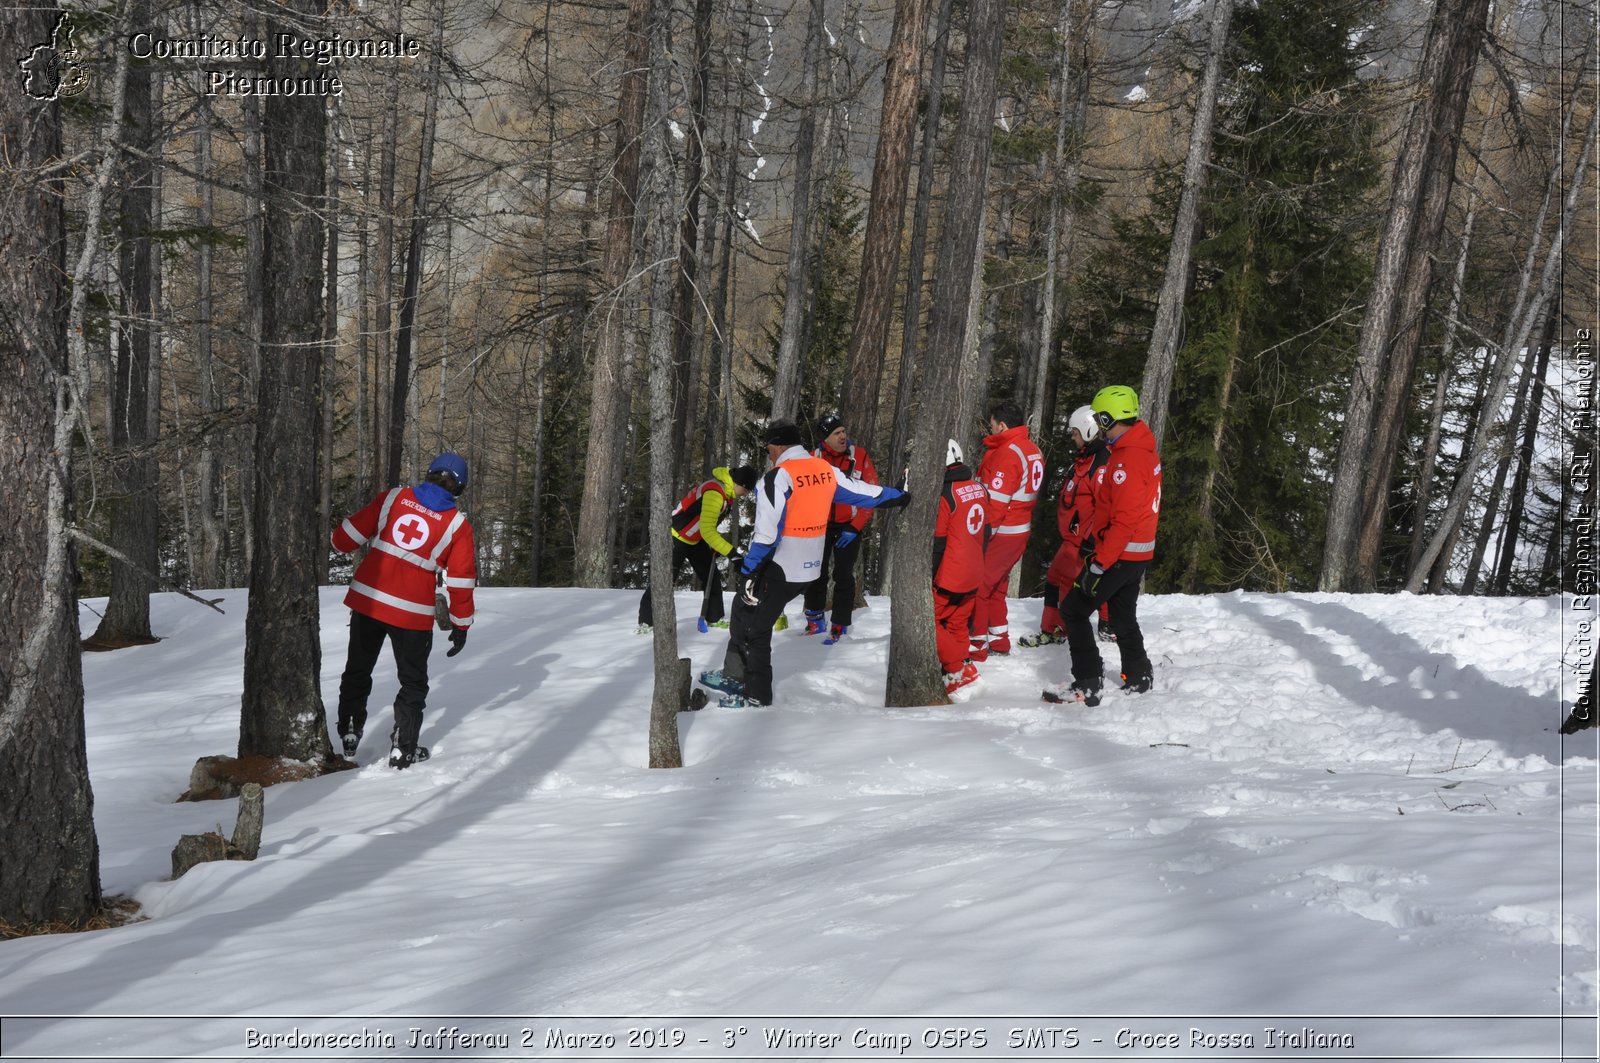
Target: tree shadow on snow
1435 690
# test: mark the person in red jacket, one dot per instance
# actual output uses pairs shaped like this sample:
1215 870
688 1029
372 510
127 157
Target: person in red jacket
1012 472
417 534
842 544
957 566
1073 511
1127 508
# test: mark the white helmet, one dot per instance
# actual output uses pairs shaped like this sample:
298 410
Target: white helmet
953 455
1083 420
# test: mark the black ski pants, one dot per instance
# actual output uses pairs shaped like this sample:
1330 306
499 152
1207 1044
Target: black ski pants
411 649
1119 590
749 656
842 561
702 559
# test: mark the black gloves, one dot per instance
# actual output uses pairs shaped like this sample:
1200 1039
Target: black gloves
1088 580
458 639
750 589
1086 548
902 499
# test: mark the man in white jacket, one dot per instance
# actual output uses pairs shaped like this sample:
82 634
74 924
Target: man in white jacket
793 502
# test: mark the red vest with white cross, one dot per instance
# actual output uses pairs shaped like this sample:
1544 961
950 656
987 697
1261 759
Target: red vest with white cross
412 546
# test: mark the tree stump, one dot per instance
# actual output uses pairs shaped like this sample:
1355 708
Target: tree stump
195 849
246 841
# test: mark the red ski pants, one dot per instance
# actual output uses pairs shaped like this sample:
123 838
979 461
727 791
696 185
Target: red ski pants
989 614
952 615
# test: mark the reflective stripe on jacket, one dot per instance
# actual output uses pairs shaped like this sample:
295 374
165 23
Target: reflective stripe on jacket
412 546
1012 472
1127 499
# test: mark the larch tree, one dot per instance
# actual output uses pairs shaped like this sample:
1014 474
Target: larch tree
282 712
1156 388
796 304
135 404
1408 239
914 672
659 201
611 381
886 205
51 870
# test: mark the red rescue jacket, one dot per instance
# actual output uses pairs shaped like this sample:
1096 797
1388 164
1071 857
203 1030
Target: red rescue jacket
1012 472
1075 507
1127 499
958 532
411 545
856 462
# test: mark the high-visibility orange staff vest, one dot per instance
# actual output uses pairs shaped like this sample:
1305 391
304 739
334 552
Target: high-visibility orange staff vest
805 516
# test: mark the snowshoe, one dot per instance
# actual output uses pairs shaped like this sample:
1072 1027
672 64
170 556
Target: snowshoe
725 683
642 629
705 626
1137 684
351 741
1071 695
836 633
740 701
780 624
1043 638
814 623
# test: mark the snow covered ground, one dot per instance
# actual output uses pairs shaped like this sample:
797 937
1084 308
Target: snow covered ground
1345 819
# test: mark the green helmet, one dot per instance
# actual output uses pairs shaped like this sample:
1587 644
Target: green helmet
1115 403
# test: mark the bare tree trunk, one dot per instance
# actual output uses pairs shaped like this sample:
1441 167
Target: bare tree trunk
1518 330
786 387
609 395
135 507
1530 432
658 197
1072 113
1156 389
383 253
686 366
330 351
413 276
905 389
51 870
1497 487
914 672
282 713
209 552
254 297
364 286
1449 59
880 250
1430 450
1405 350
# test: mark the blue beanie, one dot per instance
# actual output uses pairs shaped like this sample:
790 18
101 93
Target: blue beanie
452 463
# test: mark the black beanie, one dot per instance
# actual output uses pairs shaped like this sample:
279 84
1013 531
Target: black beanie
783 434
828 425
744 476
